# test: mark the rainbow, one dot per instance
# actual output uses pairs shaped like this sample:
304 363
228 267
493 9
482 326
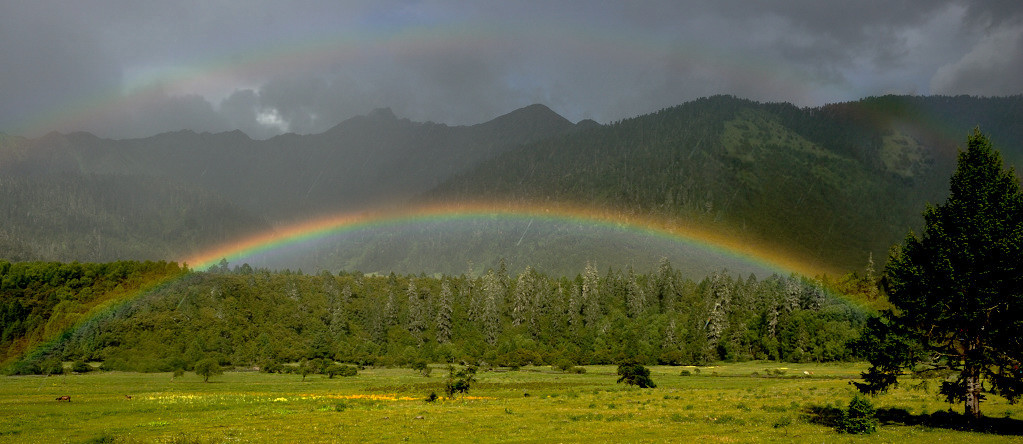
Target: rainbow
732 245
728 244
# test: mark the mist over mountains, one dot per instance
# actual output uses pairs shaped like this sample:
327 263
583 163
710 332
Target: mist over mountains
832 184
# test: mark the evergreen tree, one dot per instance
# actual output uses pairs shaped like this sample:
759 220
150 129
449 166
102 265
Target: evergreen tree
958 290
720 300
871 278
523 296
493 291
416 311
444 313
635 297
391 309
592 311
664 285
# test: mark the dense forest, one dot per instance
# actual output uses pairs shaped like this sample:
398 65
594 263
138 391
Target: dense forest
40 301
256 317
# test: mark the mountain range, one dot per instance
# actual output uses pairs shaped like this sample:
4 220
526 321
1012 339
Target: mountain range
830 185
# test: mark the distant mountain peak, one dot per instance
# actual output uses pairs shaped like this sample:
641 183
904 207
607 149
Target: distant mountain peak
536 110
382 113
377 116
532 118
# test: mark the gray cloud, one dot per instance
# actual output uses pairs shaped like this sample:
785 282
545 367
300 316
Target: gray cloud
993 67
125 68
50 63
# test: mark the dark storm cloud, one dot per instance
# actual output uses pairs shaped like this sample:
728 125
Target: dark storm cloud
137 68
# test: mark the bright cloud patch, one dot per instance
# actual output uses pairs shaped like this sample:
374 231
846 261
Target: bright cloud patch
271 118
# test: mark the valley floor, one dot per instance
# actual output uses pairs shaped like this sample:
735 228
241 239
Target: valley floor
747 402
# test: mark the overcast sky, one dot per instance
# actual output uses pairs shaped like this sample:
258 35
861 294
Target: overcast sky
129 68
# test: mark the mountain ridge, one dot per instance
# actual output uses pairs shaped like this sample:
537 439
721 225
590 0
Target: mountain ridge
832 184
364 161
863 170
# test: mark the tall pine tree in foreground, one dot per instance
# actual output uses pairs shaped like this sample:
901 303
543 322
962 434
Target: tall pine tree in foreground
958 290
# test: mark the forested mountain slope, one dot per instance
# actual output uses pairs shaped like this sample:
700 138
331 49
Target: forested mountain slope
76 217
80 197
358 162
831 184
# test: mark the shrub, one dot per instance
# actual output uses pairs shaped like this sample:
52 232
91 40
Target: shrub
24 368
52 366
784 421
272 367
564 365
859 418
332 370
348 370
422 367
635 374
567 366
81 367
460 381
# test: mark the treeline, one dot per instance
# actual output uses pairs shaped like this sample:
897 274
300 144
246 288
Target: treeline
251 317
39 300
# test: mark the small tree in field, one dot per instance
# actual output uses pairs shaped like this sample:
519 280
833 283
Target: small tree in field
305 369
332 370
958 290
859 417
208 367
460 381
633 373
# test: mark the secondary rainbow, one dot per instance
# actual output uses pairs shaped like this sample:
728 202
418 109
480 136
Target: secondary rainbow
248 65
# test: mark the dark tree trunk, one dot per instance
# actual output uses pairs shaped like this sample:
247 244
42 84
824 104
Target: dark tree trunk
972 376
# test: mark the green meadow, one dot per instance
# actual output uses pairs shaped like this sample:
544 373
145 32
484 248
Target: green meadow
747 402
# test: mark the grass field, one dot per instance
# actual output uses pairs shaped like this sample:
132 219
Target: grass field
723 403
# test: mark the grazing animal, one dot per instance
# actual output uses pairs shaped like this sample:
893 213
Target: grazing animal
128 397
64 398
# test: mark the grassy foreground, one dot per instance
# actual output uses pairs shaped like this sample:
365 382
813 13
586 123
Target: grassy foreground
723 403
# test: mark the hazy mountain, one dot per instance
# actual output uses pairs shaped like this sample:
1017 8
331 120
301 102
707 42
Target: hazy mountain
175 193
359 162
830 185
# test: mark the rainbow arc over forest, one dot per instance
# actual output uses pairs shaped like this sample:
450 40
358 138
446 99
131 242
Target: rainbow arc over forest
718 241
729 244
